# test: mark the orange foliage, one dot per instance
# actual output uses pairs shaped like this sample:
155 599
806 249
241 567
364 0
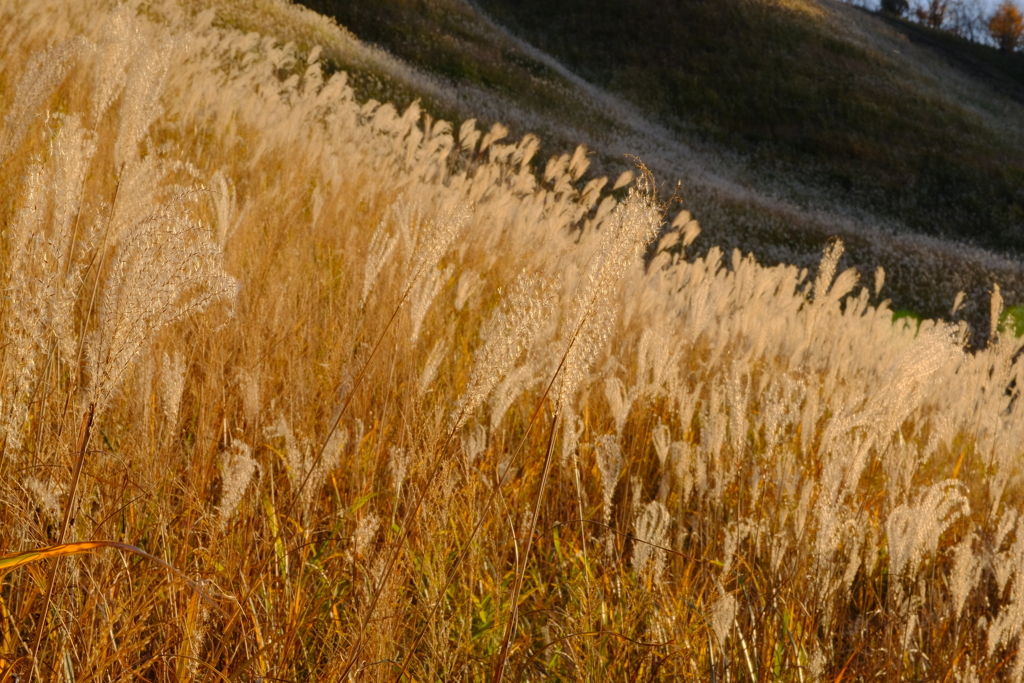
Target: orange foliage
1007 26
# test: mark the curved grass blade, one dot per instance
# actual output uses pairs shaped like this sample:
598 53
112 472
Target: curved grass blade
9 562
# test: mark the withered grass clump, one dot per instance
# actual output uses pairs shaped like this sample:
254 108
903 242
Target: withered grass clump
399 406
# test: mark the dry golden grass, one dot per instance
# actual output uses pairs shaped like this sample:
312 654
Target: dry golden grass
334 350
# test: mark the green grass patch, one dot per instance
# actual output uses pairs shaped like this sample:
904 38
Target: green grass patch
908 317
1012 320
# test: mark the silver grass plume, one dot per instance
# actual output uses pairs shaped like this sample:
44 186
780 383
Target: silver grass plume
167 268
47 496
498 132
428 244
71 244
661 437
139 190
335 447
422 296
619 402
118 44
398 466
507 334
995 312
827 269
26 293
508 390
691 231
966 572
579 163
609 463
431 366
474 443
468 283
913 531
934 349
625 178
224 201
723 614
958 302
237 468
41 76
172 386
572 430
249 388
48 252
626 234
380 249
854 544
363 536
651 529
653 361
72 151
140 101
1009 623
44 272
302 466
1000 567
608 454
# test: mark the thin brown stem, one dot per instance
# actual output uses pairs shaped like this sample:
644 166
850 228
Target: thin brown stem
102 253
510 626
400 542
83 442
495 492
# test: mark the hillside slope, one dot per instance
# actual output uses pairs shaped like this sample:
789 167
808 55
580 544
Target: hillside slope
779 125
813 90
786 124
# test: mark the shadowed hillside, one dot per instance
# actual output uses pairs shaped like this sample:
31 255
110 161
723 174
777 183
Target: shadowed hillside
800 94
787 122
780 83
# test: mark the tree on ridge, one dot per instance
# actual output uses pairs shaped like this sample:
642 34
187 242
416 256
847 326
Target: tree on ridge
1007 26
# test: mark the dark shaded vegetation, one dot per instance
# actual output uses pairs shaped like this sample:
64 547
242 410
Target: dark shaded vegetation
447 38
1001 71
777 84
774 84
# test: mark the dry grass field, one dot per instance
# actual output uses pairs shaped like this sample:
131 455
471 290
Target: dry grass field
296 386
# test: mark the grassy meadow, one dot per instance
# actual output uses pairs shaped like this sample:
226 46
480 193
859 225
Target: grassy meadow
296 385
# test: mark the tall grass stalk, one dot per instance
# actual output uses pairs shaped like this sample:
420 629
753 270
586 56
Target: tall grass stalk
512 621
83 443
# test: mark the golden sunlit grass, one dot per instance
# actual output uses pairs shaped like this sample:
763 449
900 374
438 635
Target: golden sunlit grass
403 407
